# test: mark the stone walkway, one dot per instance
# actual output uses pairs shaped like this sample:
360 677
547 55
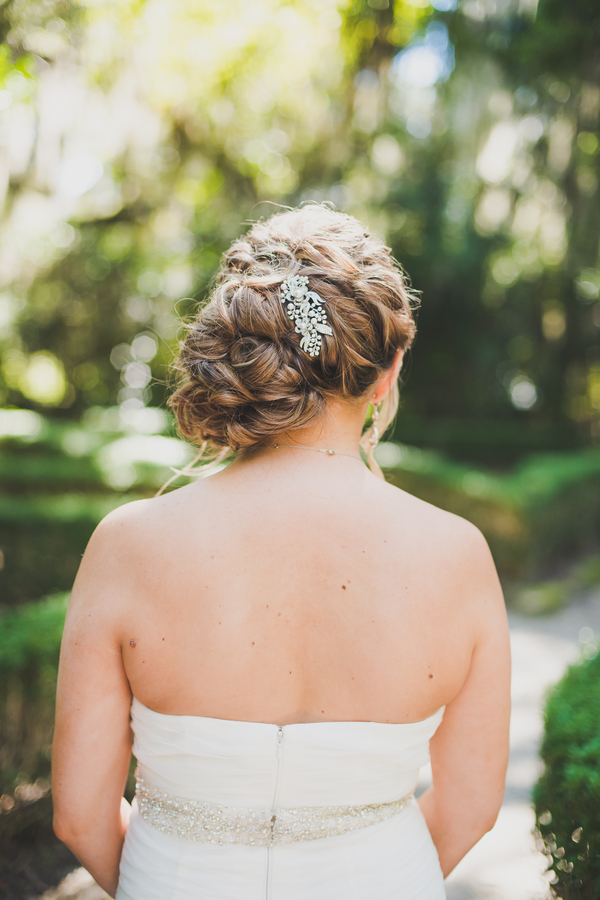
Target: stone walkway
79 885
505 864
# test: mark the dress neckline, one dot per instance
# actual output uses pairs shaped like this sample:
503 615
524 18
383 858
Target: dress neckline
439 712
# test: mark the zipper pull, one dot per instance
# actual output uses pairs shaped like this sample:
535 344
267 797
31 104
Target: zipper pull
279 741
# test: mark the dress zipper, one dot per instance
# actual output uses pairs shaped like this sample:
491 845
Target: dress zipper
279 746
273 815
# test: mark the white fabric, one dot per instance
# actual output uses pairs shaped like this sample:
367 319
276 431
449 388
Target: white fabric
319 764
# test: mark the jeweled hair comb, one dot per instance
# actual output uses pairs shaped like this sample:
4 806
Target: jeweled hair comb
304 308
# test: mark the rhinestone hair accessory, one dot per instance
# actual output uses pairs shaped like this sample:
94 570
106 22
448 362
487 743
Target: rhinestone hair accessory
304 308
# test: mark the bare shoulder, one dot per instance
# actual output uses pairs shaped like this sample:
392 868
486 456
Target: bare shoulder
119 528
447 526
450 544
136 521
120 548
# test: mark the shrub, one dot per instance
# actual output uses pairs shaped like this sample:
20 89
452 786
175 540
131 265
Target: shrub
58 480
567 795
30 638
29 649
43 540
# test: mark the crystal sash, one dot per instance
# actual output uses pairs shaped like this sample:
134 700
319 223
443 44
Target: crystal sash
210 823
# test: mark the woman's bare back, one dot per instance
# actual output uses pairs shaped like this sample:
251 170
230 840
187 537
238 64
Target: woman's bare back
293 594
284 590
293 586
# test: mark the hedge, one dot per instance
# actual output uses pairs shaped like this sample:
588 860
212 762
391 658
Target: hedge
43 540
57 480
30 638
485 441
567 795
29 649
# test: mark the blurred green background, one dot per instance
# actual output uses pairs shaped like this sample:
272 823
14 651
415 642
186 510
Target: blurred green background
137 139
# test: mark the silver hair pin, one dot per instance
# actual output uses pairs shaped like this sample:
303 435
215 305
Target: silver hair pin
304 308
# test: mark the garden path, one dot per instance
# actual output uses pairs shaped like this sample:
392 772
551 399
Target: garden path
505 865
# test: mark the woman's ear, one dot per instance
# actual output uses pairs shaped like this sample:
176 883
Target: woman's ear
388 379
396 366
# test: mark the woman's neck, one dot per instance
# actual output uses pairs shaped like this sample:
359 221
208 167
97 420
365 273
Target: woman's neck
339 429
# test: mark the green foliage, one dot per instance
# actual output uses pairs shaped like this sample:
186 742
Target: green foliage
58 480
30 639
548 596
536 599
244 104
29 649
589 572
43 541
567 796
30 636
496 443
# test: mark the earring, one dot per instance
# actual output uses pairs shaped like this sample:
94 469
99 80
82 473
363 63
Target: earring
374 439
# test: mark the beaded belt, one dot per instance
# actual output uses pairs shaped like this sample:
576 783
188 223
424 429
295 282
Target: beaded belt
211 823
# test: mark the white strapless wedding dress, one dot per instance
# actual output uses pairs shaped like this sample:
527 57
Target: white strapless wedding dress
230 810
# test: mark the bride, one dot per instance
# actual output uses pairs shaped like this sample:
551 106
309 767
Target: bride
288 640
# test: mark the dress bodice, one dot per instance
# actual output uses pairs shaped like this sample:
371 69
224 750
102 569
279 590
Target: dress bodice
203 773
261 765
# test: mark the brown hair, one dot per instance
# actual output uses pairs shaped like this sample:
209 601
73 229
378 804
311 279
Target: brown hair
244 378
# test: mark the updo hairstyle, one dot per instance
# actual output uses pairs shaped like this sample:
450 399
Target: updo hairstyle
244 380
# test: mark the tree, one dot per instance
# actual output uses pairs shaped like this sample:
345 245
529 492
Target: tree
467 137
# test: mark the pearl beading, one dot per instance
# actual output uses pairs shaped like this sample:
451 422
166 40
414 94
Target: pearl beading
211 823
